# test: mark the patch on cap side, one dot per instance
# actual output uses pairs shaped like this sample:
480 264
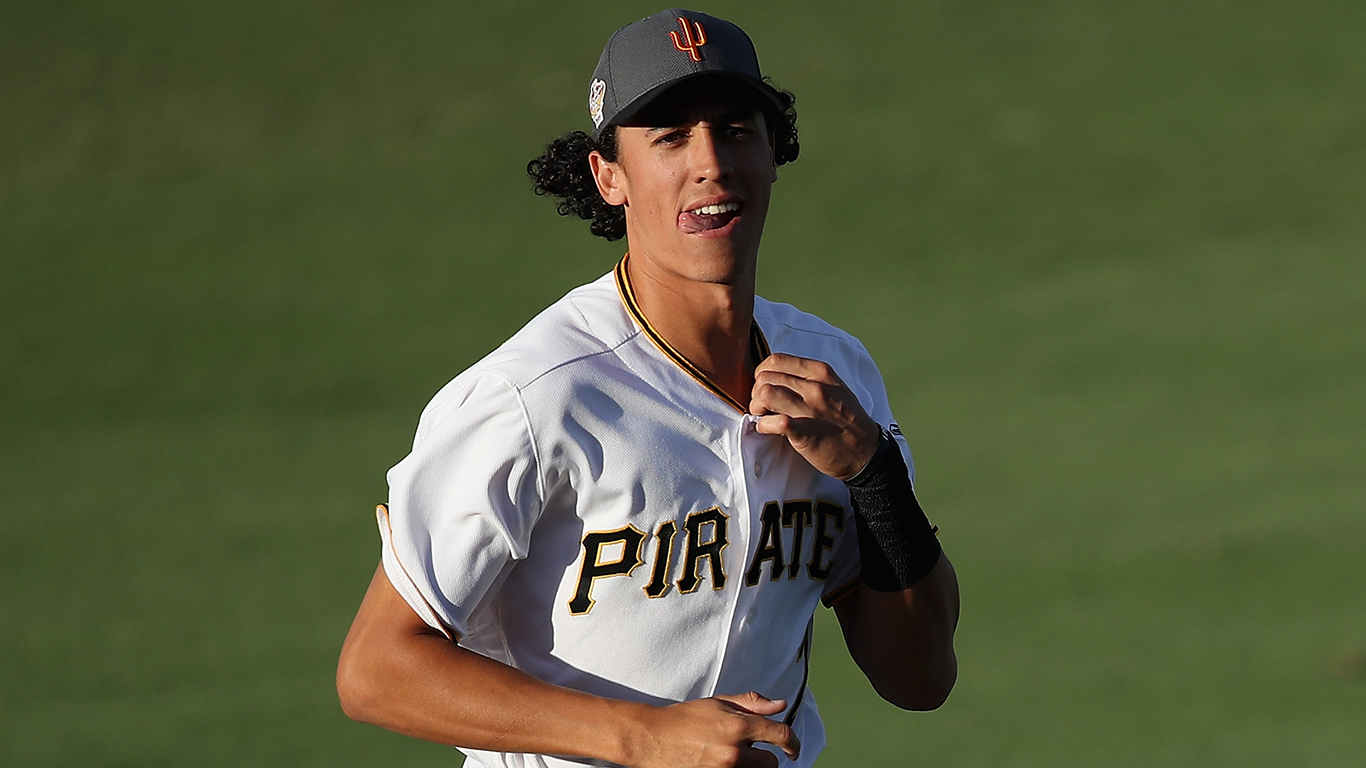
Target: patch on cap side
596 92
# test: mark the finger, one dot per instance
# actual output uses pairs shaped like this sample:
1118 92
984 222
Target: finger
808 390
805 399
760 728
798 429
773 424
783 363
803 367
779 735
756 758
754 703
786 378
769 398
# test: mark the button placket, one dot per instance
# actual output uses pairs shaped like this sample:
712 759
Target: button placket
740 602
742 614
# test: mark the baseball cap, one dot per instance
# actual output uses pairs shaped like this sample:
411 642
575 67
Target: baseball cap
644 58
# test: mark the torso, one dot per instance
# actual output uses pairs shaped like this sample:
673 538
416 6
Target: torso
676 553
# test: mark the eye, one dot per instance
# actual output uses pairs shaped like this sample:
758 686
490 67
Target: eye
670 137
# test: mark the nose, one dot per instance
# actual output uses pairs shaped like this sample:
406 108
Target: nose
710 159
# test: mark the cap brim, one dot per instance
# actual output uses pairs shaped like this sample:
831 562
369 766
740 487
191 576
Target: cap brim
624 115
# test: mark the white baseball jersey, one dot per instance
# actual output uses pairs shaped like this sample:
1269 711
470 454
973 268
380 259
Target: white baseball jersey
584 505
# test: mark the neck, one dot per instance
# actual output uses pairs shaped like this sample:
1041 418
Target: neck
707 322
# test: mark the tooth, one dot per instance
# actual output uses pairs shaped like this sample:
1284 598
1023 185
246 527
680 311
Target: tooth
713 210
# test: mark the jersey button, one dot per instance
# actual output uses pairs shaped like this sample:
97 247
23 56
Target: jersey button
758 469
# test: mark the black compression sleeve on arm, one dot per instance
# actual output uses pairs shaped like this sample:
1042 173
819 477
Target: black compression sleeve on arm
897 545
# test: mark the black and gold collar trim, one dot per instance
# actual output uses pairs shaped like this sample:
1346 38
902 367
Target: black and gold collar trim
758 345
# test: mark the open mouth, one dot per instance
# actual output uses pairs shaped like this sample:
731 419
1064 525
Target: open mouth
705 218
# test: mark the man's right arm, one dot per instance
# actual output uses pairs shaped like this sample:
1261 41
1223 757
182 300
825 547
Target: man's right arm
398 673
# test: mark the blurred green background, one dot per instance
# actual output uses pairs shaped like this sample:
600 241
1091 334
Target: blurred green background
1108 254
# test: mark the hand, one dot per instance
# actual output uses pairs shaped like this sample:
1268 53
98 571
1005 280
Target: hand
805 401
713 733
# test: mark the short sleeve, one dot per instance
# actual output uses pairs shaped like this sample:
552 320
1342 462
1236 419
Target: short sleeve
463 503
870 380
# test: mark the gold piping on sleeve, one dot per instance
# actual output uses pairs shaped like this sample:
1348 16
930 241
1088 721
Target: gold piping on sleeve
839 593
382 512
758 344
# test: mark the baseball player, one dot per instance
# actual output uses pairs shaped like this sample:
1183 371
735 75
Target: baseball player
608 542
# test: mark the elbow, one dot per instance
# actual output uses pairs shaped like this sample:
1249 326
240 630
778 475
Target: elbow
923 693
920 700
357 689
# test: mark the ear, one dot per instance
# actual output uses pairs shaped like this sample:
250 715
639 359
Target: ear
609 178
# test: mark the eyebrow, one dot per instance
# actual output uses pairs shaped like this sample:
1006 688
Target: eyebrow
737 116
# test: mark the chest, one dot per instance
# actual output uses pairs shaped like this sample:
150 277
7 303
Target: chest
652 497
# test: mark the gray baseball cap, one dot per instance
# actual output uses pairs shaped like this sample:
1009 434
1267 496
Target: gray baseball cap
644 58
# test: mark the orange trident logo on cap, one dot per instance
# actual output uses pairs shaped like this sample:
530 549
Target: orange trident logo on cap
694 37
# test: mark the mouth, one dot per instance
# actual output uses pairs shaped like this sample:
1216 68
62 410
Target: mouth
709 218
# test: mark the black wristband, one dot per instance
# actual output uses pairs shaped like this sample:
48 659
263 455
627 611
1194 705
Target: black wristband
897 544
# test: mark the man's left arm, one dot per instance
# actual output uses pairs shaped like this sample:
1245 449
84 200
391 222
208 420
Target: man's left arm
900 621
903 641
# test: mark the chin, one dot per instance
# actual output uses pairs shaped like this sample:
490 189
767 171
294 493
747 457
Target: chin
720 262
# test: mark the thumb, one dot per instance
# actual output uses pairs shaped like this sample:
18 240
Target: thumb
755 704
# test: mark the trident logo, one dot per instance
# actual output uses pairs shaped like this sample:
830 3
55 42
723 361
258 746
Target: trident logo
694 37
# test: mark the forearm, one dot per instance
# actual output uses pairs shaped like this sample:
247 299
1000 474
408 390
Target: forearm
900 624
903 641
397 673
404 677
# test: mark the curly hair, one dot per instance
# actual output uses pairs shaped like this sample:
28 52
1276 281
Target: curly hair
562 171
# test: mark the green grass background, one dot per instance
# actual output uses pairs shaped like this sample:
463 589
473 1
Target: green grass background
1108 254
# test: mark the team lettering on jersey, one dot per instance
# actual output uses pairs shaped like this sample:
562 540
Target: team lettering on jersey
782 546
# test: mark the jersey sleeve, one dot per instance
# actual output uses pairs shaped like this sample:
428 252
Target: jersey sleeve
872 393
462 504
875 400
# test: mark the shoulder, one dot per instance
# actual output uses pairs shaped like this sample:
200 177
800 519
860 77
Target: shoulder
586 325
792 331
588 321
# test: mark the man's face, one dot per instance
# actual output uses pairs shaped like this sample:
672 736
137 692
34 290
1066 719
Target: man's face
694 171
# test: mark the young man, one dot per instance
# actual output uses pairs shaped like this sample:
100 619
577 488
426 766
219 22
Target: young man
609 539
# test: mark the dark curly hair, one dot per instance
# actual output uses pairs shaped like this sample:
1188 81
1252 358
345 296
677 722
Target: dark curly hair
563 171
